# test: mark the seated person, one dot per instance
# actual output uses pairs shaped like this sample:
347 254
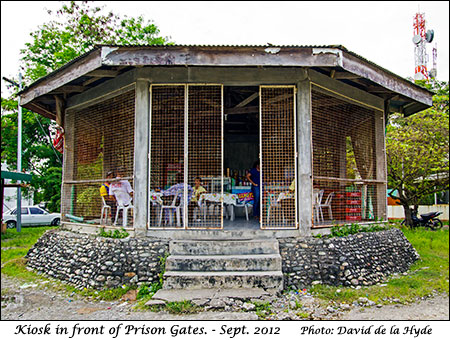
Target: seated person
292 187
122 190
107 195
198 190
235 179
178 189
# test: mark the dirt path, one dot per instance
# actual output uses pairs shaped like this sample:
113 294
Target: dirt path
31 302
25 302
435 308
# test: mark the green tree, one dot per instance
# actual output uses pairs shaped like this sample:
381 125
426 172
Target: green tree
75 29
38 156
70 32
417 149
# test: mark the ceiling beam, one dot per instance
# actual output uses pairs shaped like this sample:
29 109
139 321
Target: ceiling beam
242 110
247 100
345 75
103 73
91 80
41 110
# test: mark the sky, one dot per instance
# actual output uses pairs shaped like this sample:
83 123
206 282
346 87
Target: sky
378 31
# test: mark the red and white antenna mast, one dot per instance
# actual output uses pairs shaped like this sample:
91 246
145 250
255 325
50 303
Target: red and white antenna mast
421 37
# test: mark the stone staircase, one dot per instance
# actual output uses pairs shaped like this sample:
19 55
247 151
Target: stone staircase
224 264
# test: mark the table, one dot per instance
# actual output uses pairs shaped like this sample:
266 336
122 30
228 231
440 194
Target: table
226 198
229 200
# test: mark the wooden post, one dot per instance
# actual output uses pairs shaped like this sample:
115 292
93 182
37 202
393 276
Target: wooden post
304 159
59 110
141 161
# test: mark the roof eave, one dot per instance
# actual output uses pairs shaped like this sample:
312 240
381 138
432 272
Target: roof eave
269 56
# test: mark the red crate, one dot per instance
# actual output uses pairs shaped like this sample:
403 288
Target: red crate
340 196
353 210
353 202
353 194
353 218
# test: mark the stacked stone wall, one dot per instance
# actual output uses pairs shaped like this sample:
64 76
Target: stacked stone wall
97 262
355 260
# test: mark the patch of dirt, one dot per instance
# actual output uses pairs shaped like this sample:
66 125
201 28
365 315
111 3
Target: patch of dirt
435 308
36 302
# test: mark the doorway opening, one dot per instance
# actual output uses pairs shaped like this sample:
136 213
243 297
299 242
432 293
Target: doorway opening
241 151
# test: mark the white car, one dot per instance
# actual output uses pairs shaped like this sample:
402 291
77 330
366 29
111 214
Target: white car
32 216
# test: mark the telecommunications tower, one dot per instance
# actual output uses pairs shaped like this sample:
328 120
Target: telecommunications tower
420 39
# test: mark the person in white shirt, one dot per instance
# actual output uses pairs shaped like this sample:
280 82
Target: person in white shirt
121 190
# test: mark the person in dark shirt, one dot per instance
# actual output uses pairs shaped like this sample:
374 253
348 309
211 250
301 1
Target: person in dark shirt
254 176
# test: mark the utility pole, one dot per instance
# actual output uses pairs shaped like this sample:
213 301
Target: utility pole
19 153
19 159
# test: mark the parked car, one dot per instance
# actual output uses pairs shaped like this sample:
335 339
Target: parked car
32 216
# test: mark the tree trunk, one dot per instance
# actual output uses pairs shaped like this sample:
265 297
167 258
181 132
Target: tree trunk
408 216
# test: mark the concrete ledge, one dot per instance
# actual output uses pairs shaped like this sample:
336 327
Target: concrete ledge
92 229
221 234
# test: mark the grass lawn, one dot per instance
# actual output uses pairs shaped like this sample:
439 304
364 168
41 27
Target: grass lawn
427 276
15 246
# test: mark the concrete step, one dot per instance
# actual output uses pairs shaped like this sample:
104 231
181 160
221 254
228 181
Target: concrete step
171 295
213 263
223 247
226 280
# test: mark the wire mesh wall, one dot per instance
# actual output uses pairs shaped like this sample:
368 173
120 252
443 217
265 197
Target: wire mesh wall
167 156
205 156
344 161
278 150
100 169
186 156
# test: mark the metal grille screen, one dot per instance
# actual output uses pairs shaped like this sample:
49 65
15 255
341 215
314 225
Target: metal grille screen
186 146
167 155
102 140
278 203
205 154
344 161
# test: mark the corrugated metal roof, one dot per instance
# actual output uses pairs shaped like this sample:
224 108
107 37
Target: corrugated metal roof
99 46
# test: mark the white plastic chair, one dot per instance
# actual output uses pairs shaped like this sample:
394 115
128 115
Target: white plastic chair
197 209
210 208
318 195
239 204
105 214
124 209
273 203
325 205
170 208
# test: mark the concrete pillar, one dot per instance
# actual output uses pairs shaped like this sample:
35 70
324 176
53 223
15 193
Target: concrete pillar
69 165
380 156
304 159
141 147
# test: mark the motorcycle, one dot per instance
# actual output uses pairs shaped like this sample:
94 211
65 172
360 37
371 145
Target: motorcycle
428 220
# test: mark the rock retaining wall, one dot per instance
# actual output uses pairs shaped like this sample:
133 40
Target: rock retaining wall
97 262
355 260
91 261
